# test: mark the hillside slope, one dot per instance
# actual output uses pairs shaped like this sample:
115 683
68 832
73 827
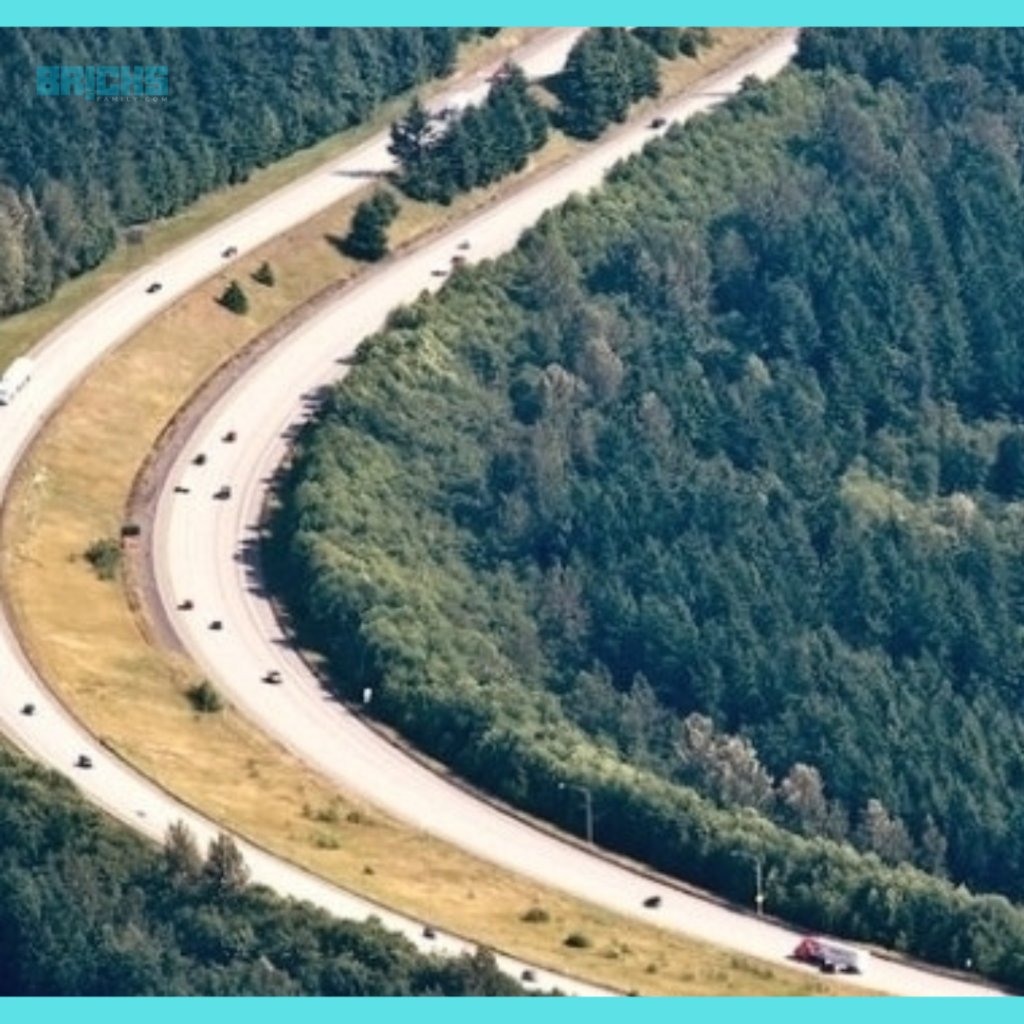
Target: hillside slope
714 488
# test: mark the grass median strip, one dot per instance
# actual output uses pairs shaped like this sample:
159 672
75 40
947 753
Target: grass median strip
81 633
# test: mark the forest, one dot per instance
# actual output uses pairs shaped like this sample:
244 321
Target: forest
89 909
74 172
709 498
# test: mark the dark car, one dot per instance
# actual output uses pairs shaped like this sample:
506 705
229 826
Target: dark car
230 437
659 122
154 288
28 709
199 460
652 902
273 676
84 761
216 625
429 933
223 493
528 975
230 251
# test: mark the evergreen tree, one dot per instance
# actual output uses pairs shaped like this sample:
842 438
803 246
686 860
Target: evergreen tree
235 299
368 235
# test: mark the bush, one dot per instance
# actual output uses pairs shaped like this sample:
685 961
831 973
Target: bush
264 274
205 699
104 555
235 299
536 915
577 940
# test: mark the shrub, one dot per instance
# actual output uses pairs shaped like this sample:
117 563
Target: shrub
104 555
235 299
536 915
264 274
205 699
577 940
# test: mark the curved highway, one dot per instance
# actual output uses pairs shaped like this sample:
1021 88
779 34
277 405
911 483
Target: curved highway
52 736
202 546
197 540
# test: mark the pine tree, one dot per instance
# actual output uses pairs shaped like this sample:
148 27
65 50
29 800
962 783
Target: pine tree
264 274
235 299
368 236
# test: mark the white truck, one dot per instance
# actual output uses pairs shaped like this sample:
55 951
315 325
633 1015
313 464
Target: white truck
831 956
18 374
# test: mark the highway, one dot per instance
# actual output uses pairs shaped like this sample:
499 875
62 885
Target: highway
52 736
199 546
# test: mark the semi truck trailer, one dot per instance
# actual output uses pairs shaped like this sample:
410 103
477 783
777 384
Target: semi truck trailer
831 956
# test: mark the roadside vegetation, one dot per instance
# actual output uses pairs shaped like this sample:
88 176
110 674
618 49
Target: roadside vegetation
74 172
707 499
88 909
86 639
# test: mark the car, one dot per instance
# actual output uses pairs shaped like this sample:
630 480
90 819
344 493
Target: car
186 605
659 122
28 709
230 437
464 245
230 251
222 493
458 261
439 272
216 625
652 902
429 933
84 761
528 975
199 460
154 288
273 676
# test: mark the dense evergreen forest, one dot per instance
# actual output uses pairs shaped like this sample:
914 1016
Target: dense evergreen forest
88 909
73 171
710 498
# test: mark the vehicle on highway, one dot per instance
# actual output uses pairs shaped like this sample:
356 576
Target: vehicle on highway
28 709
154 288
831 957
429 933
230 437
216 625
84 761
464 244
659 122
273 676
16 376
652 902
222 493
230 251
199 460
186 605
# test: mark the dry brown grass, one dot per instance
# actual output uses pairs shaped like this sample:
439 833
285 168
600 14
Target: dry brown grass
81 634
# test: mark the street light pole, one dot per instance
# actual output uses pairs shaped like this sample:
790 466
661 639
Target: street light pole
588 807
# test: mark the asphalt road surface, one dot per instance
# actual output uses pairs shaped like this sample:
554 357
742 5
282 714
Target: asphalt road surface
201 554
